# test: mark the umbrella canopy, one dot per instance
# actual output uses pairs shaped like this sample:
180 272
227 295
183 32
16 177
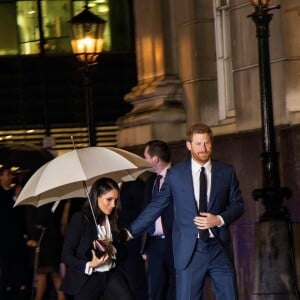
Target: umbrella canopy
67 175
24 156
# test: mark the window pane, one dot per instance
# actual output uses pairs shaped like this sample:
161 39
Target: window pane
8 29
56 15
224 60
27 20
20 31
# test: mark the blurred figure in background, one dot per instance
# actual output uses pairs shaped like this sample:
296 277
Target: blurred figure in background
13 251
132 203
45 240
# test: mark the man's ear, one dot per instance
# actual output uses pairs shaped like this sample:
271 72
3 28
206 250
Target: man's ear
188 145
155 159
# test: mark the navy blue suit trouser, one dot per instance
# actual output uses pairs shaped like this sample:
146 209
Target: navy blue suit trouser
209 259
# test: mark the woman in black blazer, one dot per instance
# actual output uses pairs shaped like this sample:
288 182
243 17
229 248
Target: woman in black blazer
90 275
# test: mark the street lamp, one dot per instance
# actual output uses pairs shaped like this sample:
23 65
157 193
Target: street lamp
87 43
271 194
260 3
274 261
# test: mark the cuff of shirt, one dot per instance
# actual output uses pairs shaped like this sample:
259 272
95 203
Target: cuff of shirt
221 220
129 234
88 270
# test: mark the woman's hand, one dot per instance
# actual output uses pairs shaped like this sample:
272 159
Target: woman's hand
109 248
32 243
97 262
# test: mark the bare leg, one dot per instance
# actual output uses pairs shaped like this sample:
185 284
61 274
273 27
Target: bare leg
56 279
41 283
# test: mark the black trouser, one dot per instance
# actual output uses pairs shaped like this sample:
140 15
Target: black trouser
112 285
161 273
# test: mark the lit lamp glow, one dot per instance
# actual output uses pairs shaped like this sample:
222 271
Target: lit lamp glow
87 36
263 3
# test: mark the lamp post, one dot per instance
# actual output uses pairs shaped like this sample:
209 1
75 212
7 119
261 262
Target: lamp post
274 262
271 194
87 43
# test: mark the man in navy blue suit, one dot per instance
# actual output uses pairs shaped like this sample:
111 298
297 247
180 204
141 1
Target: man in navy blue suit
202 243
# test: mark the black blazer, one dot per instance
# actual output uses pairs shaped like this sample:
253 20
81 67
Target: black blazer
77 251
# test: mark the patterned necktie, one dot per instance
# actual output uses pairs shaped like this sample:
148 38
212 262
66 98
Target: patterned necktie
155 190
204 234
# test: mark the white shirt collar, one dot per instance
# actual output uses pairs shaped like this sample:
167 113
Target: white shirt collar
196 166
164 171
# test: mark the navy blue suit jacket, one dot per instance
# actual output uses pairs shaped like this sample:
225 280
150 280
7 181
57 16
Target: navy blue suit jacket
177 190
166 215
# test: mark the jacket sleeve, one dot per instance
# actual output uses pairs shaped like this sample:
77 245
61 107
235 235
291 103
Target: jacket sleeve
77 244
235 206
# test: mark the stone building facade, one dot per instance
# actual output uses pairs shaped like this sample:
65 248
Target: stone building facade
197 61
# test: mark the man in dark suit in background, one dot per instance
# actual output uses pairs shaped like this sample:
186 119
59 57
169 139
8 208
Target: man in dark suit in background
202 243
158 240
14 279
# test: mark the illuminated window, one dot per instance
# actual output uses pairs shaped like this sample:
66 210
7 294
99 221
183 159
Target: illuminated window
8 29
56 15
22 24
28 25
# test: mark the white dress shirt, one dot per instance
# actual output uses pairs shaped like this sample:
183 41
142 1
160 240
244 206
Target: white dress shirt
196 169
104 232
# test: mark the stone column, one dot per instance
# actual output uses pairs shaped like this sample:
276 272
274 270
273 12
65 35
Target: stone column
158 97
197 60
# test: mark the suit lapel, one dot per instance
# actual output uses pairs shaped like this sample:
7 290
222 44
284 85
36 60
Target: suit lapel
216 175
188 183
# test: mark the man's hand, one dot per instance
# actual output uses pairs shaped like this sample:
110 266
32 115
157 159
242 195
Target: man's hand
206 220
124 236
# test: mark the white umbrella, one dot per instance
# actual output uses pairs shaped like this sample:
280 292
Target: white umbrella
71 174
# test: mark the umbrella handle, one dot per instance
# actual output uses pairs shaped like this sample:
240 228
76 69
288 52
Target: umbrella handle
90 203
72 140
